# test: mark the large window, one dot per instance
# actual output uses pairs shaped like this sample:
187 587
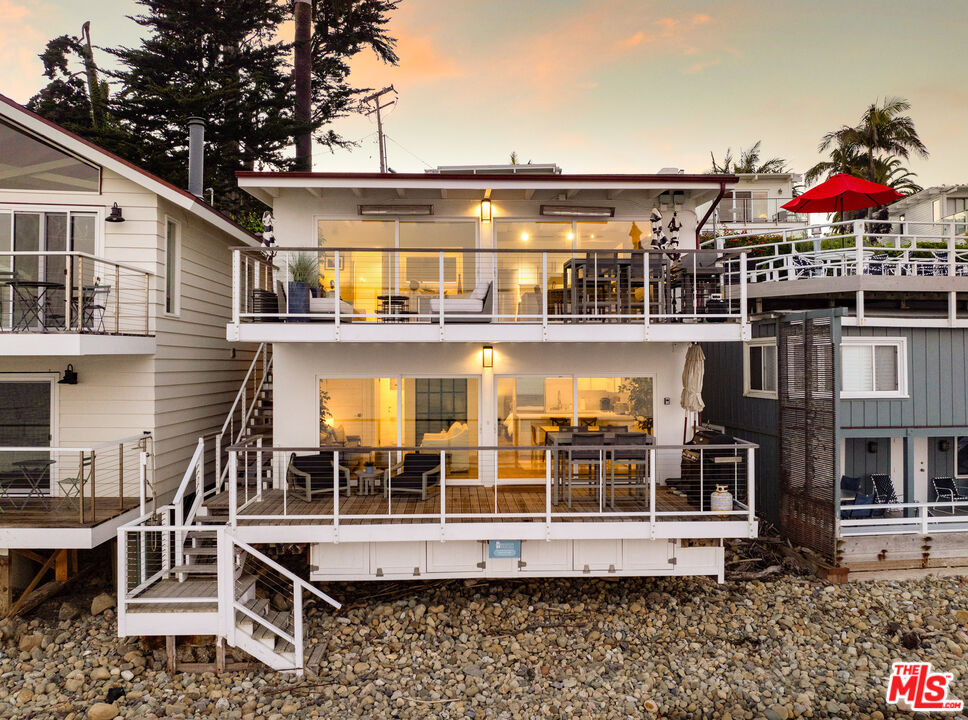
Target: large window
874 367
31 164
759 368
172 267
529 407
24 422
430 413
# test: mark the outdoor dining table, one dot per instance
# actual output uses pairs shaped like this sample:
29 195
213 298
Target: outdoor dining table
31 296
560 444
37 475
589 279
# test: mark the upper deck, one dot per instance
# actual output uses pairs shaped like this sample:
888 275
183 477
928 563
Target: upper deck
485 257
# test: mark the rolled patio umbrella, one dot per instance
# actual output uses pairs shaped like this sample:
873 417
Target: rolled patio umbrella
841 193
692 375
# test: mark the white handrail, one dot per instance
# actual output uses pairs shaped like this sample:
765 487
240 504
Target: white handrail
72 253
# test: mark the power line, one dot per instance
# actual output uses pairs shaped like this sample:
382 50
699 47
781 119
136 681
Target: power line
407 151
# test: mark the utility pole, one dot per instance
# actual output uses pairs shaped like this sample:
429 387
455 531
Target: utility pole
302 71
377 107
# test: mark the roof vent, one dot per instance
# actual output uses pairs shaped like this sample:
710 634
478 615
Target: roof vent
671 171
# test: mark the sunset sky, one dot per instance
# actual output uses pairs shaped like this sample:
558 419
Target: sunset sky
615 85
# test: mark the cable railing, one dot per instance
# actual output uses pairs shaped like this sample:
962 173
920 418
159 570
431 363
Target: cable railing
626 479
72 292
63 486
466 286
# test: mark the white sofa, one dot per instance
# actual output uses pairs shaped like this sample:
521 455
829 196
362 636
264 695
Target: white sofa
478 303
458 435
327 306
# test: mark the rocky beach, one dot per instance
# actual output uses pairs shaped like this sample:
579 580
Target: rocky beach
628 648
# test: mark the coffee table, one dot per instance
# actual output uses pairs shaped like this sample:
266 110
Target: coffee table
369 481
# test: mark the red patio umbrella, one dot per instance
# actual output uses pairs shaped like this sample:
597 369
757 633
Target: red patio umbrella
843 192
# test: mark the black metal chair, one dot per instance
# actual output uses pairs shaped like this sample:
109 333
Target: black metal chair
416 474
313 474
634 459
947 490
95 302
861 514
884 493
850 485
586 451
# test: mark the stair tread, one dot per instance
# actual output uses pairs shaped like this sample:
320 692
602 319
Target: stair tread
196 569
204 550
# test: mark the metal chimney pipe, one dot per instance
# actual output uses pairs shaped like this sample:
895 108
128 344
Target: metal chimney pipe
196 156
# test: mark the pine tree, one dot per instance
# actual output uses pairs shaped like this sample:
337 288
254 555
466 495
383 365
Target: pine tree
218 60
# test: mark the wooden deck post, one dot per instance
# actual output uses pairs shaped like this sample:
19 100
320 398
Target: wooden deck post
80 489
170 653
6 597
61 571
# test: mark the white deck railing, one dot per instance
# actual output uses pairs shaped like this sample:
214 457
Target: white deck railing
47 292
611 486
484 286
914 518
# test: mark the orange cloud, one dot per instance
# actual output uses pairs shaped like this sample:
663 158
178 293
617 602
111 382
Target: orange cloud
634 40
20 42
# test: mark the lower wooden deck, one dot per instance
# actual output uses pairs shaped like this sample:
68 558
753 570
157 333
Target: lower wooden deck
58 512
475 503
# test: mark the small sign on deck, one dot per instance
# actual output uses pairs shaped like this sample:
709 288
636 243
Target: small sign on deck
504 549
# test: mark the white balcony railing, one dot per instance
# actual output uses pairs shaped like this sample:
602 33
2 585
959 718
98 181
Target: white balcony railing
375 485
914 518
49 292
757 210
486 286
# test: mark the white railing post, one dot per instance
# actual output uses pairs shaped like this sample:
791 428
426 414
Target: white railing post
440 286
652 453
143 479
233 488
646 290
336 492
950 233
67 291
859 247
236 286
547 491
923 512
226 584
443 492
544 290
336 289
258 469
218 462
297 625
743 289
751 485
701 477
200 471
122 575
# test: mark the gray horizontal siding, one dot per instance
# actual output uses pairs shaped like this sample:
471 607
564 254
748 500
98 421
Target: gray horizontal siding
937 367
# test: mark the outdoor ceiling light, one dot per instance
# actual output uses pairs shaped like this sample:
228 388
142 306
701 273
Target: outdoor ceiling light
487 356
396 209
115 216
70 377
578 211
486 210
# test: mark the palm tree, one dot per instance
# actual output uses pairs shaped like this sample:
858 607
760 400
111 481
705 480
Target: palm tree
749 162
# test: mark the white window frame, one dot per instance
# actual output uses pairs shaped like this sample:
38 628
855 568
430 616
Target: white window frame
749 391
176 268
900 343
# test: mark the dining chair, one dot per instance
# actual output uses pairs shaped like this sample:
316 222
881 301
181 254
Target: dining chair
586 451
634 459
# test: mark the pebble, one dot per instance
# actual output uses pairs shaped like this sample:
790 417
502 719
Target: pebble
101 603
781 648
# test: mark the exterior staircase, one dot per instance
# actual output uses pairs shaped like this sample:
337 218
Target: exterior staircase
183 572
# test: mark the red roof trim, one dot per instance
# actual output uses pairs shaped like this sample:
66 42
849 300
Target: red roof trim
492 177
117 158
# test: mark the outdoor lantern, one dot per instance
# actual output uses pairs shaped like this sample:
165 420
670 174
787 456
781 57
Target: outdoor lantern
115 216
872 446
944 445
70 377
488 356
486 210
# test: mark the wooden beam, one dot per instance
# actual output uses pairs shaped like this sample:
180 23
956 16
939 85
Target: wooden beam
443 193
272 191
36 581
401 192
357 191
612 194
569 194
529 193
31 555
6 596
315 192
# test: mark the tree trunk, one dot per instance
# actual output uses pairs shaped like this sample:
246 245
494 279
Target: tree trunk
302 72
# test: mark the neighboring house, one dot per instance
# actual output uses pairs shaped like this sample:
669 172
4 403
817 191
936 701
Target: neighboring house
115 287
855 387
925 212
470 374
755 204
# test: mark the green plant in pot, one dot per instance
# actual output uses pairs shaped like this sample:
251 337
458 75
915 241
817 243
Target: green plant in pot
303 279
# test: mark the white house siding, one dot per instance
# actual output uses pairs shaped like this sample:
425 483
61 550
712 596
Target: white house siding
196 376
297 369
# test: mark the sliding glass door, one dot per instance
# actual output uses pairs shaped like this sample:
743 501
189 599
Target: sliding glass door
24 422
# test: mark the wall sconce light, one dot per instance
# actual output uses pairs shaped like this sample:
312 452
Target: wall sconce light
487 356
872 446
115 216
944 445
486 210
903 217
70 377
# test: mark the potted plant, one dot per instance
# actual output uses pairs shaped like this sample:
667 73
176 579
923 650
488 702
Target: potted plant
303 278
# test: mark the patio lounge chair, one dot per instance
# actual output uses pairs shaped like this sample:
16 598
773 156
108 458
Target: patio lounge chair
312 474
861 514
884 492
850 487
946 490
416 474
879 265
474 308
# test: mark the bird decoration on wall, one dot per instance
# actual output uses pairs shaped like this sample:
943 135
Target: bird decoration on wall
674 227
267 235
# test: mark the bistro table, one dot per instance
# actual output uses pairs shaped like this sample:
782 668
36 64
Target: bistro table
369 480
31 297
36 473
394 308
